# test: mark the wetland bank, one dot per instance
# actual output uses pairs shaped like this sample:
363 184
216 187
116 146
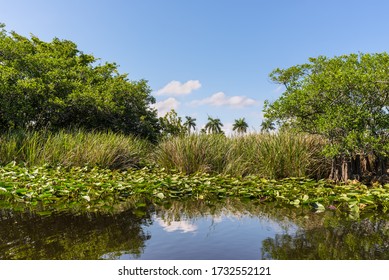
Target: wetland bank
89 171
68 210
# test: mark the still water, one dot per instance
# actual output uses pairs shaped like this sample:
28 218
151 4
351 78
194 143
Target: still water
229 229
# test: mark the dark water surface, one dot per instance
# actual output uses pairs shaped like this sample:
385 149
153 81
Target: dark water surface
229 229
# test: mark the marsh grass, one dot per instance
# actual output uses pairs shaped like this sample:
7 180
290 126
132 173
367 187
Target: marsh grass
193 153
267 155
279 155
77 148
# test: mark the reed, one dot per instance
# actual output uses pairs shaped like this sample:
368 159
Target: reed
193 153
278 155
77 148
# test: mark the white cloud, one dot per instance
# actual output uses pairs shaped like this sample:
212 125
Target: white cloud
220 99
176 88
228 129
166 105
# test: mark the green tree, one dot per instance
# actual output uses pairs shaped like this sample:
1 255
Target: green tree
213 125
190 123
53 85
267 125
171 124
345 99
240 126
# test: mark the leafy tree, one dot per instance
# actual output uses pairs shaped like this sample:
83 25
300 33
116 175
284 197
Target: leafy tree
171 124
190 123
346 100
213 125
53 85
240 126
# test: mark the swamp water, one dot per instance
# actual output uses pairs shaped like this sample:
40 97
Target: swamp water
229 229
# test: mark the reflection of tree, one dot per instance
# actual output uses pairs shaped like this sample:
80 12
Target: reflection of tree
70 236
92 236
365 239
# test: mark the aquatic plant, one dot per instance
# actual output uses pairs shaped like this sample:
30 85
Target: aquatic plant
95 189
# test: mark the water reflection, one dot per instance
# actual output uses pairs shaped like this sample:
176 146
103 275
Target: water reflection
365 239
71 236
183 226
230 229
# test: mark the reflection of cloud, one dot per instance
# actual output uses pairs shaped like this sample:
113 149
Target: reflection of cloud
175 88
183 226
220 99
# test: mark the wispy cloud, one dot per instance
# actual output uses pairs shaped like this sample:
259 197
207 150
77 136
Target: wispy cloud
166 105
176 88
220 99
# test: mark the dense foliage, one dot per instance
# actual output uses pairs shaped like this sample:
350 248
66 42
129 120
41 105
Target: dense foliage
345 99
53 85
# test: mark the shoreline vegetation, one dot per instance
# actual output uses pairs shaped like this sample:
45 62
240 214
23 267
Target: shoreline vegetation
50 88
96 171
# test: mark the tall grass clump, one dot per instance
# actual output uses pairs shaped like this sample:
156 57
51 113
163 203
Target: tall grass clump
279 155
77 148
21 147
193 153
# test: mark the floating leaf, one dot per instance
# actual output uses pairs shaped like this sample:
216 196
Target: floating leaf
160 195
21 191
318 206
295 202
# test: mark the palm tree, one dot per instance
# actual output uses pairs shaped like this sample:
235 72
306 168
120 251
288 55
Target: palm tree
190 123
267 125
240 126
213 125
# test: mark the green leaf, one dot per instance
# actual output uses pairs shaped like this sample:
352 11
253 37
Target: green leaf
160 195
318 206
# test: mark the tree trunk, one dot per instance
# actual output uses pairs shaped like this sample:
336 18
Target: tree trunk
346 169
342 169
386 166
356 167
380 165
336 170
366 165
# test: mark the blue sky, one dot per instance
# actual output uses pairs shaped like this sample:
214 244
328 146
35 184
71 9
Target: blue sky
206 57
